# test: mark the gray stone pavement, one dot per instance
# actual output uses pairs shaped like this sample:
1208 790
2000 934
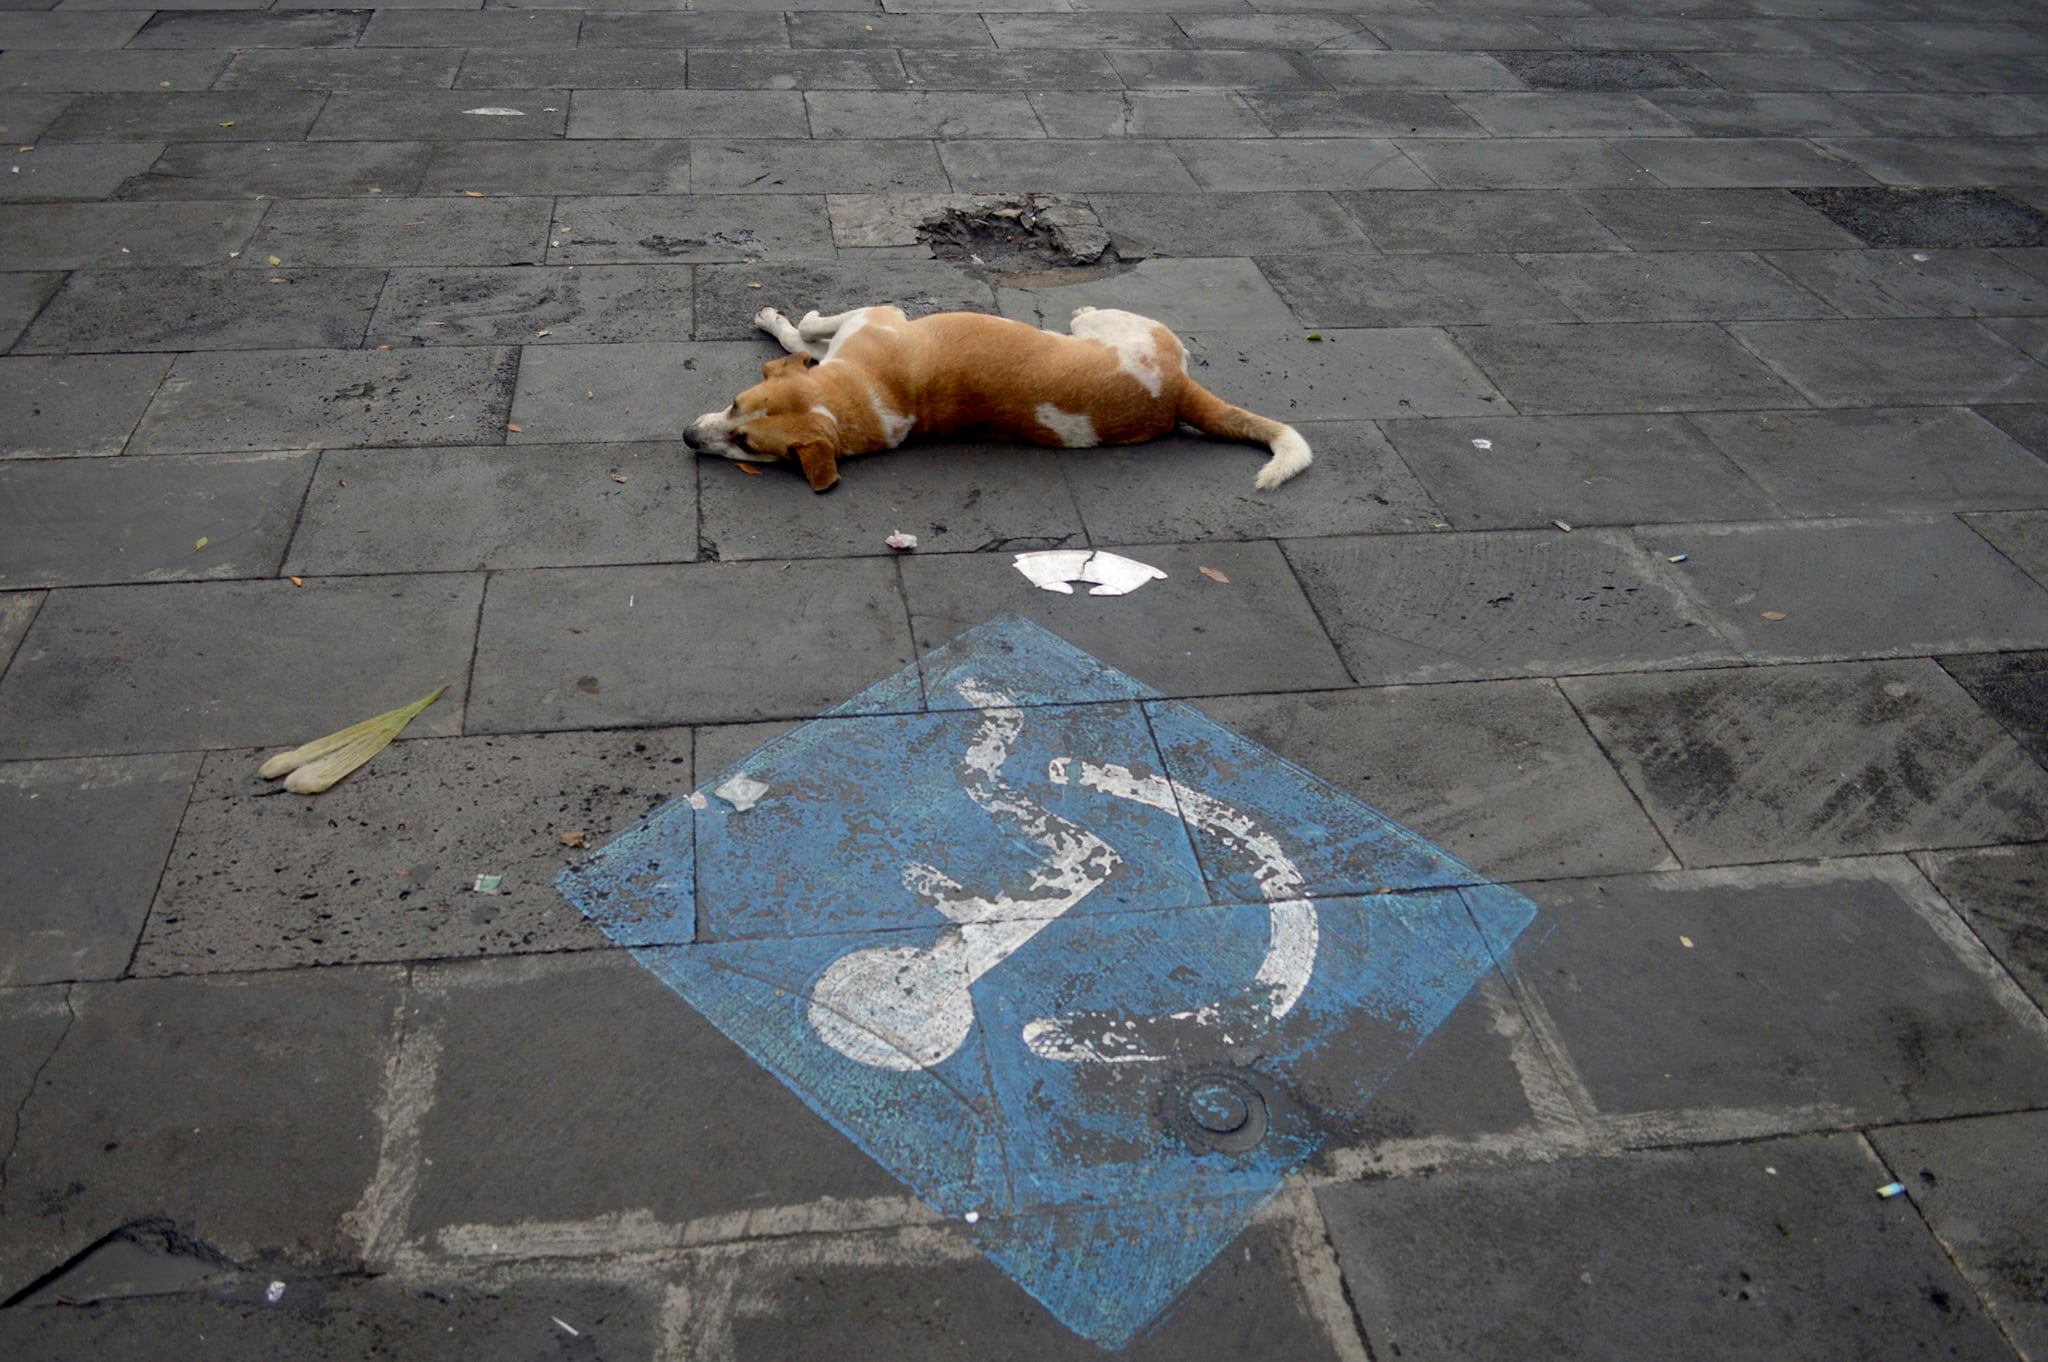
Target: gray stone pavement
1677 554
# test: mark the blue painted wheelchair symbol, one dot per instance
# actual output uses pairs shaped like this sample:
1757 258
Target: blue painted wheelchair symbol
1060 954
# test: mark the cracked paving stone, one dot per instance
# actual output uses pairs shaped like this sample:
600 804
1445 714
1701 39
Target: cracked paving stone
533 305
696 227
1817 759
239 1110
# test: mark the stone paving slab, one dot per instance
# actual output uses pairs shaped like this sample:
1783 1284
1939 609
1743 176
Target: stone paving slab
1978 1183
697 227
1737 1238
340 69
571 167
305 399
1348 374
1921 361
74 172
850 166
1891 1011
64 236
104 71
1525 163
1187 635
1914 284
1849 588
1488 220
424 231
336 1318
81 522
1502 604
1107 113
912 1294
1473 767
1530 472
1657 366
558 72
357 876
1301 163
101 830
17 609
1714 220
1998 892
687 113
1358 289
443 115
938 113
510 306
1099 166
985 498
528 1026
1184 295
840 627
2011 688
205 309
1372 113
114 669
246 170
2021 536
233 116
626 393
1686 163
1823 759
58 405
201 29
726 304
1676 285
1185 489
461 510
148 1065
1867 462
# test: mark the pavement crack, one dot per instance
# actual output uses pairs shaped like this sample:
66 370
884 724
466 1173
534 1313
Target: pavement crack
34 1082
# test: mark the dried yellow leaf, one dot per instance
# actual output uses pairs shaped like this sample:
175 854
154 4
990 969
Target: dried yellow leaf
203 542
1213 575
319 764
275 261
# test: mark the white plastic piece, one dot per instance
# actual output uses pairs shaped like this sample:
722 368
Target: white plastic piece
496 111
900 540
275 1293
1482 444
743 792
1111 573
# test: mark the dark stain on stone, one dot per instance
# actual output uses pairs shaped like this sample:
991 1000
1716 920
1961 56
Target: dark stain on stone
1949 218
1603 71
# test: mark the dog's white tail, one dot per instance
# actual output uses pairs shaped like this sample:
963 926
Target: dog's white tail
1211 415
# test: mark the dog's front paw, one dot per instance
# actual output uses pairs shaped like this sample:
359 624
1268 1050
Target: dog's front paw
769 320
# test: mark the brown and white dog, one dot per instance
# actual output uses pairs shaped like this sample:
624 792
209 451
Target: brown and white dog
868 379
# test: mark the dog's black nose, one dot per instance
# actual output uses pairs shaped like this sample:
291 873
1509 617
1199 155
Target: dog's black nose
692 438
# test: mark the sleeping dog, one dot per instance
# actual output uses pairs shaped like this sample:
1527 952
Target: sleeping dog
867 380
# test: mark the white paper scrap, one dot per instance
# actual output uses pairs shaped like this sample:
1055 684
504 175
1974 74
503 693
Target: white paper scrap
1112 574
743 792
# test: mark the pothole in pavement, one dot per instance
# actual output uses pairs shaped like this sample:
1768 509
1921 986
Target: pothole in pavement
1033 241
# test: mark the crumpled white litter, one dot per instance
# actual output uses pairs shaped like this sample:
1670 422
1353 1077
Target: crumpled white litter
900 540
743 792
497 111
1112 573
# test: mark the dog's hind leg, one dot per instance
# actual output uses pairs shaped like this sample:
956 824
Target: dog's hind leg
814 327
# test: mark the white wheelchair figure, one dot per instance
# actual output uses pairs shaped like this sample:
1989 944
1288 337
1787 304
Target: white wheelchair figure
907 1008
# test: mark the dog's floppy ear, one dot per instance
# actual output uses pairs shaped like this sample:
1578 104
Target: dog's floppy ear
788 364
820 462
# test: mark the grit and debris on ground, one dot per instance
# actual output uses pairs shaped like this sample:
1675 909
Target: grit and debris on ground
1518 891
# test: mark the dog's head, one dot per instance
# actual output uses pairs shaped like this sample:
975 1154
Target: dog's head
783 417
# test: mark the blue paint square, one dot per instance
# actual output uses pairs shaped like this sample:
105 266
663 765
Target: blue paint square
1057 953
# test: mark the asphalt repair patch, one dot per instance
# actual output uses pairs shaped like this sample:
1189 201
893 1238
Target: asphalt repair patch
1951 218
1086 970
